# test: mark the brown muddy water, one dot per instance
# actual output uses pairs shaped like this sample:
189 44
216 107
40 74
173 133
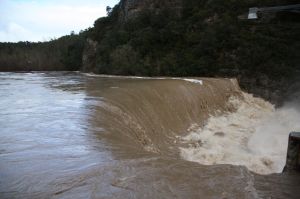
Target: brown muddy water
73 135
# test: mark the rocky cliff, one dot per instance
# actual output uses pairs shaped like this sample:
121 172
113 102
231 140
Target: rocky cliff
132 8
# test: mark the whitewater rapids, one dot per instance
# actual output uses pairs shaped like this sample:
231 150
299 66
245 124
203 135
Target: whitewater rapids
254 135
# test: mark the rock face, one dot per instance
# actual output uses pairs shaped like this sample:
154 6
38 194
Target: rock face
131 8
89 55
277 91
262 86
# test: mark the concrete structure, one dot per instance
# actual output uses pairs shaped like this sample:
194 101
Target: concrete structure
293 153
290 8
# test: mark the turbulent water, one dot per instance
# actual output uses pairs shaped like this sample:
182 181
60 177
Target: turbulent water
254 135
72 135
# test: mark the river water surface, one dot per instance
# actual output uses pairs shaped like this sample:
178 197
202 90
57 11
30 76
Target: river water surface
72 135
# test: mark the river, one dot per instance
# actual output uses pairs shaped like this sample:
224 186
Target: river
74 135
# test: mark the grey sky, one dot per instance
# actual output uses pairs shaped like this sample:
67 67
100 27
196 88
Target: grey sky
42 20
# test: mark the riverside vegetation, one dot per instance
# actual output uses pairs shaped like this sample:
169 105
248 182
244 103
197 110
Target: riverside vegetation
176 38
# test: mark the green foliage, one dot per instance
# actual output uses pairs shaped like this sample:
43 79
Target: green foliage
206 39
72 56
64 53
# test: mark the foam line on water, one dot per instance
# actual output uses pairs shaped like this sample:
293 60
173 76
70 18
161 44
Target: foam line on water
196 81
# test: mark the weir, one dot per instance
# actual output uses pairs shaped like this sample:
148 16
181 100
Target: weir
125 137
293 153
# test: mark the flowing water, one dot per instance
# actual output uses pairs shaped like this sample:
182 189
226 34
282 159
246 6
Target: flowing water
73 135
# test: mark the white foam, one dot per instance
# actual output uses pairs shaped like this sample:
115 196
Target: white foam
197 81
256 136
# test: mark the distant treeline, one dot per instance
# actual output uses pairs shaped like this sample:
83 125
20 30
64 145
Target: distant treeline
64 53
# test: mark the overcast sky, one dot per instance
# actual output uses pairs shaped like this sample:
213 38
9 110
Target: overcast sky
42 20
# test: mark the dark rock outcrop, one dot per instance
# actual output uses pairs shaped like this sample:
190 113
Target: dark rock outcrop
132 8
262 86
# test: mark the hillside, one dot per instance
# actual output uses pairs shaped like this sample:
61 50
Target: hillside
64 53
177 38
